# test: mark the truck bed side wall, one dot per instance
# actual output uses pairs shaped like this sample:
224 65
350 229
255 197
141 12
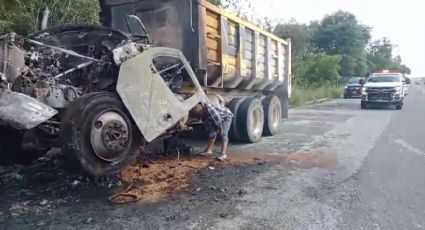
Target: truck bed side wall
240 55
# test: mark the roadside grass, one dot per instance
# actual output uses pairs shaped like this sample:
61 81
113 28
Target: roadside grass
301 95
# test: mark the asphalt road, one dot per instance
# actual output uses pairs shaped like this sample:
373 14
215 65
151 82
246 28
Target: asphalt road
333 166
378 182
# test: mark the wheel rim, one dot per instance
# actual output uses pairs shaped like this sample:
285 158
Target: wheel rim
110 136
257 122
275 115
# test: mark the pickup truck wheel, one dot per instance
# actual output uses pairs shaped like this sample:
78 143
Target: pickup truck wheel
98 134
234 106
273 115
250 120
399 107
363 105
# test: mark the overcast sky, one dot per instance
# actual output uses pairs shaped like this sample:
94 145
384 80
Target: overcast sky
403 22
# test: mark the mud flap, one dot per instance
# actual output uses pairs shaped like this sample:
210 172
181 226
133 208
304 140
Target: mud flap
23 112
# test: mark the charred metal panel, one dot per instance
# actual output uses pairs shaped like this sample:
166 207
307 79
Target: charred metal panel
151 103
23 112
11 57
170 23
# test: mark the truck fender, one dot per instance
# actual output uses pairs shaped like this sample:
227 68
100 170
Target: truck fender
22 111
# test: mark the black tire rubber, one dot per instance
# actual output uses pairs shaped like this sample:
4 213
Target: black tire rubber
399 107
363 105
268 103
76 130
245 115
234 106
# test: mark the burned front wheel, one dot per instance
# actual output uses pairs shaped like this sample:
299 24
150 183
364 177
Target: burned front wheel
99 135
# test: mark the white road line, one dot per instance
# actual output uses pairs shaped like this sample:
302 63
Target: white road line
408 147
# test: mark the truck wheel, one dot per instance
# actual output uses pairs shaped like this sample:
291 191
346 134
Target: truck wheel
97 133
363 105
251 120
234 106
399 106
273 115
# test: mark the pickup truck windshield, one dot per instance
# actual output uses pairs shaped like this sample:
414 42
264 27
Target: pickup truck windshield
354 81
384 79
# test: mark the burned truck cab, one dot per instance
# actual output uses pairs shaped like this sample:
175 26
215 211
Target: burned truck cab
97 93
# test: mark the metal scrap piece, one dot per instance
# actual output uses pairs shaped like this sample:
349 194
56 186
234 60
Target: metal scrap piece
23 112
70 52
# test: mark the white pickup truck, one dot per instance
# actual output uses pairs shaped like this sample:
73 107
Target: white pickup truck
383 89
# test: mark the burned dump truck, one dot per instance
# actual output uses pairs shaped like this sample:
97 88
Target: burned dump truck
246 66
101 92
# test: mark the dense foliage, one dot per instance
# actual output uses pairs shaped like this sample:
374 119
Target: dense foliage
339 34
24 16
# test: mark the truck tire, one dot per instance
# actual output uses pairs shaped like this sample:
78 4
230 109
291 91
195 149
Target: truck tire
399 106
250 120
363 105
234 106
98 135
272 115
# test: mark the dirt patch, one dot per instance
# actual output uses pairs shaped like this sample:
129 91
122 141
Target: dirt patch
155 180
314 158
163 176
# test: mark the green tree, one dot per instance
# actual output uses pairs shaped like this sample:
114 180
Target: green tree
379 54
380 57
317 70
341 34
23 16
397 65
300 35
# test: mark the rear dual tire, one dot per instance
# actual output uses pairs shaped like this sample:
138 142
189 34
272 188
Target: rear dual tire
273 115
251 120
254 118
